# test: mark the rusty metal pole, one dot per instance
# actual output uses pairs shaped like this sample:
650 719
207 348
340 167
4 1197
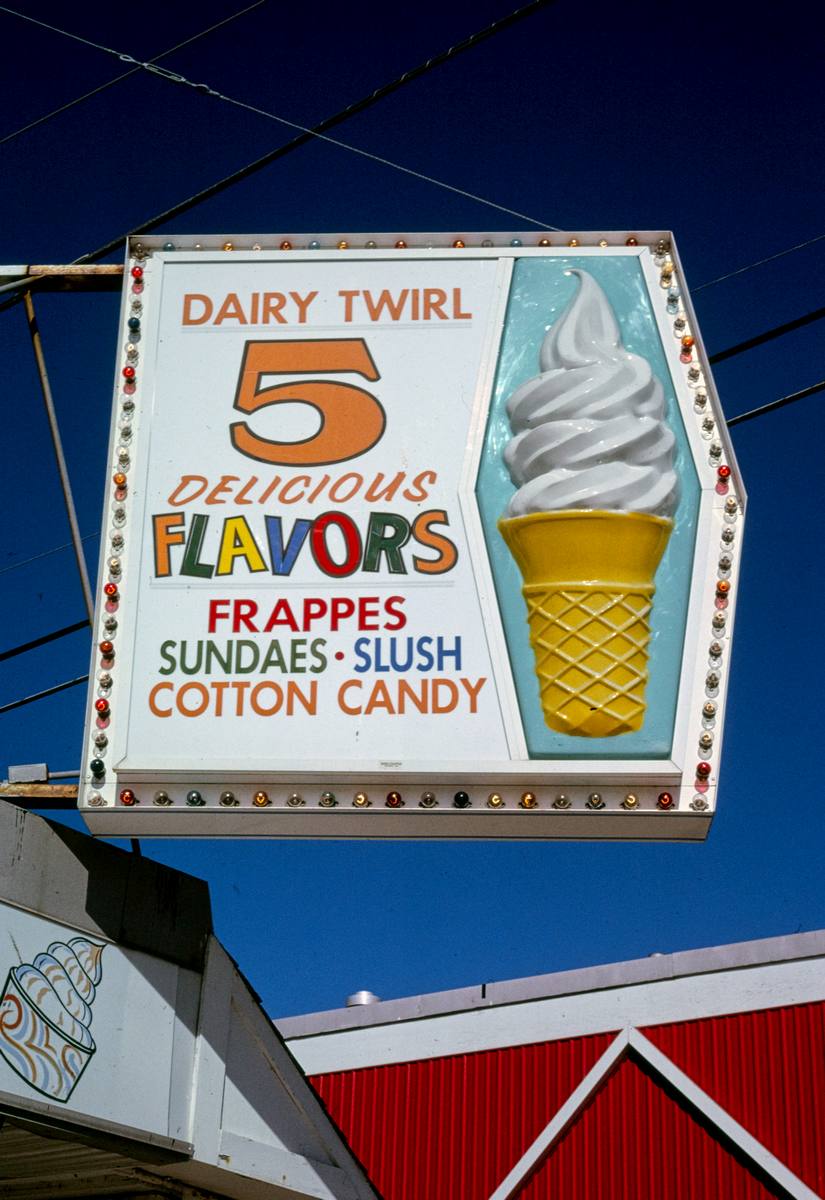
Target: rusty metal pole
59 456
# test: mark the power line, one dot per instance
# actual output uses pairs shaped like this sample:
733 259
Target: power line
768 335
45 554
345 114
774 404
75 37
318 130
315 131
52 691
65 107
44 640
14 300
301 139
386 162
759 263
118 78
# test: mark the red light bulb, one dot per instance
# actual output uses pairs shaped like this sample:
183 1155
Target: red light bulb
137 272
102 707
128 372
285 245
458 244
665 800
724 473
107 649
632 241
110 589
401 244
723 587
128 797
394 800
703 769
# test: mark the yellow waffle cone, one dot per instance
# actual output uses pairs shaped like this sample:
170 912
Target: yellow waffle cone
588 584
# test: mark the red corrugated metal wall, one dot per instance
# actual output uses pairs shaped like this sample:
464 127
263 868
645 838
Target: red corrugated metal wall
767 1069
452 1128
633 1142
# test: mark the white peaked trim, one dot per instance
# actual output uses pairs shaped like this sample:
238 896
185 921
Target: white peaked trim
776 1170
632 1040
565 1117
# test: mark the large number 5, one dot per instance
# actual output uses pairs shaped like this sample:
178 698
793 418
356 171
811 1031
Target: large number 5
352 419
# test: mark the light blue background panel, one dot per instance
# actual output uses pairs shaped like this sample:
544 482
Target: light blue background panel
540 292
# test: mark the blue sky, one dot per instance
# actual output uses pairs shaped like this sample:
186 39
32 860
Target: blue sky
703 119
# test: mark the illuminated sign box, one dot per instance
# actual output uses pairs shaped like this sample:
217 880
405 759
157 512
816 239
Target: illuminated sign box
433 538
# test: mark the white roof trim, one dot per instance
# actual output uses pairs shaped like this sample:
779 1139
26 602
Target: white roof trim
656 967
659 1002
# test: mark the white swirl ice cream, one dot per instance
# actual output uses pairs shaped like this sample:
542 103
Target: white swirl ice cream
589 431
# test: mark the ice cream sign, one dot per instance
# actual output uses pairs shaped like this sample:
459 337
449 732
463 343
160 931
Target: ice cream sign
423 539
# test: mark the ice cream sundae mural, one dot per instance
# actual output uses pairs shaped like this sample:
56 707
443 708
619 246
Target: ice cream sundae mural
45 1014
587 447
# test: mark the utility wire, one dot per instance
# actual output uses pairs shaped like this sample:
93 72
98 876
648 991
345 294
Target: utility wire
76 37
759 263
343 115
12 286
45 554
768 335
774 404
330 122
44 640
386 162
52 691
118 78
307 134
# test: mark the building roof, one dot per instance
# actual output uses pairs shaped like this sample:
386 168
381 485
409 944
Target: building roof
655 968
135 1059
697 1073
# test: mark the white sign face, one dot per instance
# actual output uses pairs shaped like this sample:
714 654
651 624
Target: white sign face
304 586
382 532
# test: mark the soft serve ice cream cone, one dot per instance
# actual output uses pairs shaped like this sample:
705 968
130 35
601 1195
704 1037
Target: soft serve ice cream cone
592 458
